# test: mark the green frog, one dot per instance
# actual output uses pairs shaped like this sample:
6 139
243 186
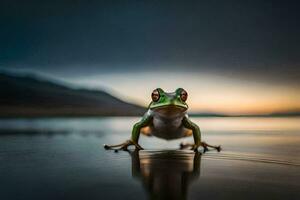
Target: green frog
166 118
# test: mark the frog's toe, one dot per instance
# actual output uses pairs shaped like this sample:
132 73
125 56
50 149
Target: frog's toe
137 146
123 146
195 147
218 148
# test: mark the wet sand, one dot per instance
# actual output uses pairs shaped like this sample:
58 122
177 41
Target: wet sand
64 159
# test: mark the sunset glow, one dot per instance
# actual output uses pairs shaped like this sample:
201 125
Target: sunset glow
207 93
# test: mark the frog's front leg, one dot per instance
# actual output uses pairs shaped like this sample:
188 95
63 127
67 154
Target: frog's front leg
187 123
145 121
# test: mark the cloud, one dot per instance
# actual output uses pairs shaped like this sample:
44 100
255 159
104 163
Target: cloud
255 40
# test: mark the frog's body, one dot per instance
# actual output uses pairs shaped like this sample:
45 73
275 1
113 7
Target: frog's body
167 123
166 118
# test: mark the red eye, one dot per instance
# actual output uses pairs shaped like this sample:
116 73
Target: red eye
183 95
155 95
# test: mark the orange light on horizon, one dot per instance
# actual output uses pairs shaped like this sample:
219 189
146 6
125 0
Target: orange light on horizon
207 92
252 101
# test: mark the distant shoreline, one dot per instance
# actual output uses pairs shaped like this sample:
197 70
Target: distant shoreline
252 115
132 115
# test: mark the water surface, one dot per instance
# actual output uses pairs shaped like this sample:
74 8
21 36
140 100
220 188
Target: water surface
63 158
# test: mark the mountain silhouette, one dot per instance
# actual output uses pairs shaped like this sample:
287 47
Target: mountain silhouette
30 95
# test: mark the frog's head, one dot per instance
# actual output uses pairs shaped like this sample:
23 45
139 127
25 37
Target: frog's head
174 101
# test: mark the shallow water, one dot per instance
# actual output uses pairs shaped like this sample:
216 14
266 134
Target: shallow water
59 158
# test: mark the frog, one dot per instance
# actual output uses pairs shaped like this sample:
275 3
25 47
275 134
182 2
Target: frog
166 118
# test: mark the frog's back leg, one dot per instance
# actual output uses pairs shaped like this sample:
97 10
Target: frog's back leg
188 132
146 131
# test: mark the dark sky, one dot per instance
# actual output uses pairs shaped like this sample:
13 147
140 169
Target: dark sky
258 39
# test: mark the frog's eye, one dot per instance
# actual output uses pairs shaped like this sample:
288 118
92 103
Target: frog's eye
183 95
155 95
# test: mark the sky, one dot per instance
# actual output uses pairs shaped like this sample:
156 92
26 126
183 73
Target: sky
231 56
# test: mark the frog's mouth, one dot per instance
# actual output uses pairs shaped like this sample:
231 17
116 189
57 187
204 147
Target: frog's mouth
170 109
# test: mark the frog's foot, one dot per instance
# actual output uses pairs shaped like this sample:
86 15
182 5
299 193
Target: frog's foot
205 145
194 147
123 146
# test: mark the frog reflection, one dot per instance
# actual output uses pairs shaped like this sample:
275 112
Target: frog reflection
166 174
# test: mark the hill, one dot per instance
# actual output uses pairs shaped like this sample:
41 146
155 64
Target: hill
26 96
